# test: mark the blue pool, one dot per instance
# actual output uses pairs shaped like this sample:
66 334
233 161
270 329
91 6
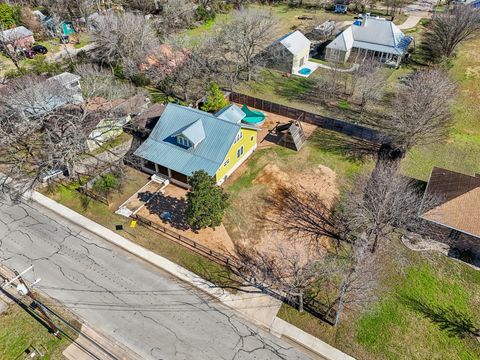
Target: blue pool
304 71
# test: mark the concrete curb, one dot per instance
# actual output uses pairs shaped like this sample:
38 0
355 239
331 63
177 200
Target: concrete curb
278 327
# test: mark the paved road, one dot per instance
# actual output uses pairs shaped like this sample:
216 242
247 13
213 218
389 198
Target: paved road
148 310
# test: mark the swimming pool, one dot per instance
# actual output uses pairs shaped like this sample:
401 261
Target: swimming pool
304 71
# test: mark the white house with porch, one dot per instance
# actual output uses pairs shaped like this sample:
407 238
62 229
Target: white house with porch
369 37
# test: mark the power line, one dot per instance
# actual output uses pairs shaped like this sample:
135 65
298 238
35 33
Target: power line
45 319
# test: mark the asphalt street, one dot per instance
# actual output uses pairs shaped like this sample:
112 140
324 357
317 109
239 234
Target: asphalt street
148 310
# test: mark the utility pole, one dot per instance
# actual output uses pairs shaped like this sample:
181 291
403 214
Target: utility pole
24 290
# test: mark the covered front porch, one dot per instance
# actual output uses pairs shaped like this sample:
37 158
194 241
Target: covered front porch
173 176
389 58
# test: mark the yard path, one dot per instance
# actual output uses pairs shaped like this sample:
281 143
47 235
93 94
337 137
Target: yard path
72 51
411 22
353 68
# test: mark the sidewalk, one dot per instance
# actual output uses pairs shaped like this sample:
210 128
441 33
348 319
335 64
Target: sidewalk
411 22
257 308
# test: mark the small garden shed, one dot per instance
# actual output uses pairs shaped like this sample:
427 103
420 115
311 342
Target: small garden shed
289 53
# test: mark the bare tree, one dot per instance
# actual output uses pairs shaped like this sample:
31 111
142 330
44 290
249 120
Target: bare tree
381 203
99 82
420 115
8 44
187 78
301 213
176 15
285 269
450 28
394 7
249 31
368 82
124 40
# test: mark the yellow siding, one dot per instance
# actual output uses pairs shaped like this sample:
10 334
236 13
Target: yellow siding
247 143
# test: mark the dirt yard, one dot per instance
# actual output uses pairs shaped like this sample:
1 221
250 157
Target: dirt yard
321 180
173 200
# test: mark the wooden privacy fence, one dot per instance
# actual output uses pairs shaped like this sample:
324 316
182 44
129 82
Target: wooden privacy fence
323 312
324 122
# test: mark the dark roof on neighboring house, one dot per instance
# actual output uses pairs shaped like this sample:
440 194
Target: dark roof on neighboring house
459 195
150 116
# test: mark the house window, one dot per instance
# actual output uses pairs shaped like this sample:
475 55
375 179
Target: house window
240 151
226 162
251 138
238 137
184 142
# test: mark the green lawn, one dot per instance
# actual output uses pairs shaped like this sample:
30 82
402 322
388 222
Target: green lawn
287 19
461 152
83 39
18 330
421 303
105 215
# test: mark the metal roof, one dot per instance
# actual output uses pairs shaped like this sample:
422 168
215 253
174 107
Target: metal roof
375 34
65 78
193 132
16 33
161 146
295 42
231 113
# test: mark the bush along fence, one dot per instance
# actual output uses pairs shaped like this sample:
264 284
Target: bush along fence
324 122
322 311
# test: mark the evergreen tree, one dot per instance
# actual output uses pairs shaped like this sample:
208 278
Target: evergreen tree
206 201
215 99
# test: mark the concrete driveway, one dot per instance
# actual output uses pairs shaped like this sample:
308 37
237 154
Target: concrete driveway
149 311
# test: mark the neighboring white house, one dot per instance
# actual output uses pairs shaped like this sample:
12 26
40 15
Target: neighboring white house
369 37
289 53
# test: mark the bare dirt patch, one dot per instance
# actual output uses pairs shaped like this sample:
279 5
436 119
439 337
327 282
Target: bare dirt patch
173 200
320 180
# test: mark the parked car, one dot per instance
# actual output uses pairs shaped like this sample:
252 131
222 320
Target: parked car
40 49
29 54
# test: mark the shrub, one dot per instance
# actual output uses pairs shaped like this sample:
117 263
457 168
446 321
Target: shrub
105 184
203 13
9 16
206 201
215 99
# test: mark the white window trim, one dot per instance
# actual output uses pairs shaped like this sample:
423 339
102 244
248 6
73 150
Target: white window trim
239 136
226 162
242 152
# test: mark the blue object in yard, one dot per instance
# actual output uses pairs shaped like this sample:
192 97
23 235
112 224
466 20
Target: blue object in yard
304 71
357 22
166 216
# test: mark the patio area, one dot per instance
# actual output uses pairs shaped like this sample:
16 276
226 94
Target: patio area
168 207
307 69
267 136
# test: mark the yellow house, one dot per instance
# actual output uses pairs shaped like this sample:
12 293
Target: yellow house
186 140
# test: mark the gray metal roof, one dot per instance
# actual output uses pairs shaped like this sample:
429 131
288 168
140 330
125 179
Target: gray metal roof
231 113
16 33
161 146
193 132
65 78
295 42
375 34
